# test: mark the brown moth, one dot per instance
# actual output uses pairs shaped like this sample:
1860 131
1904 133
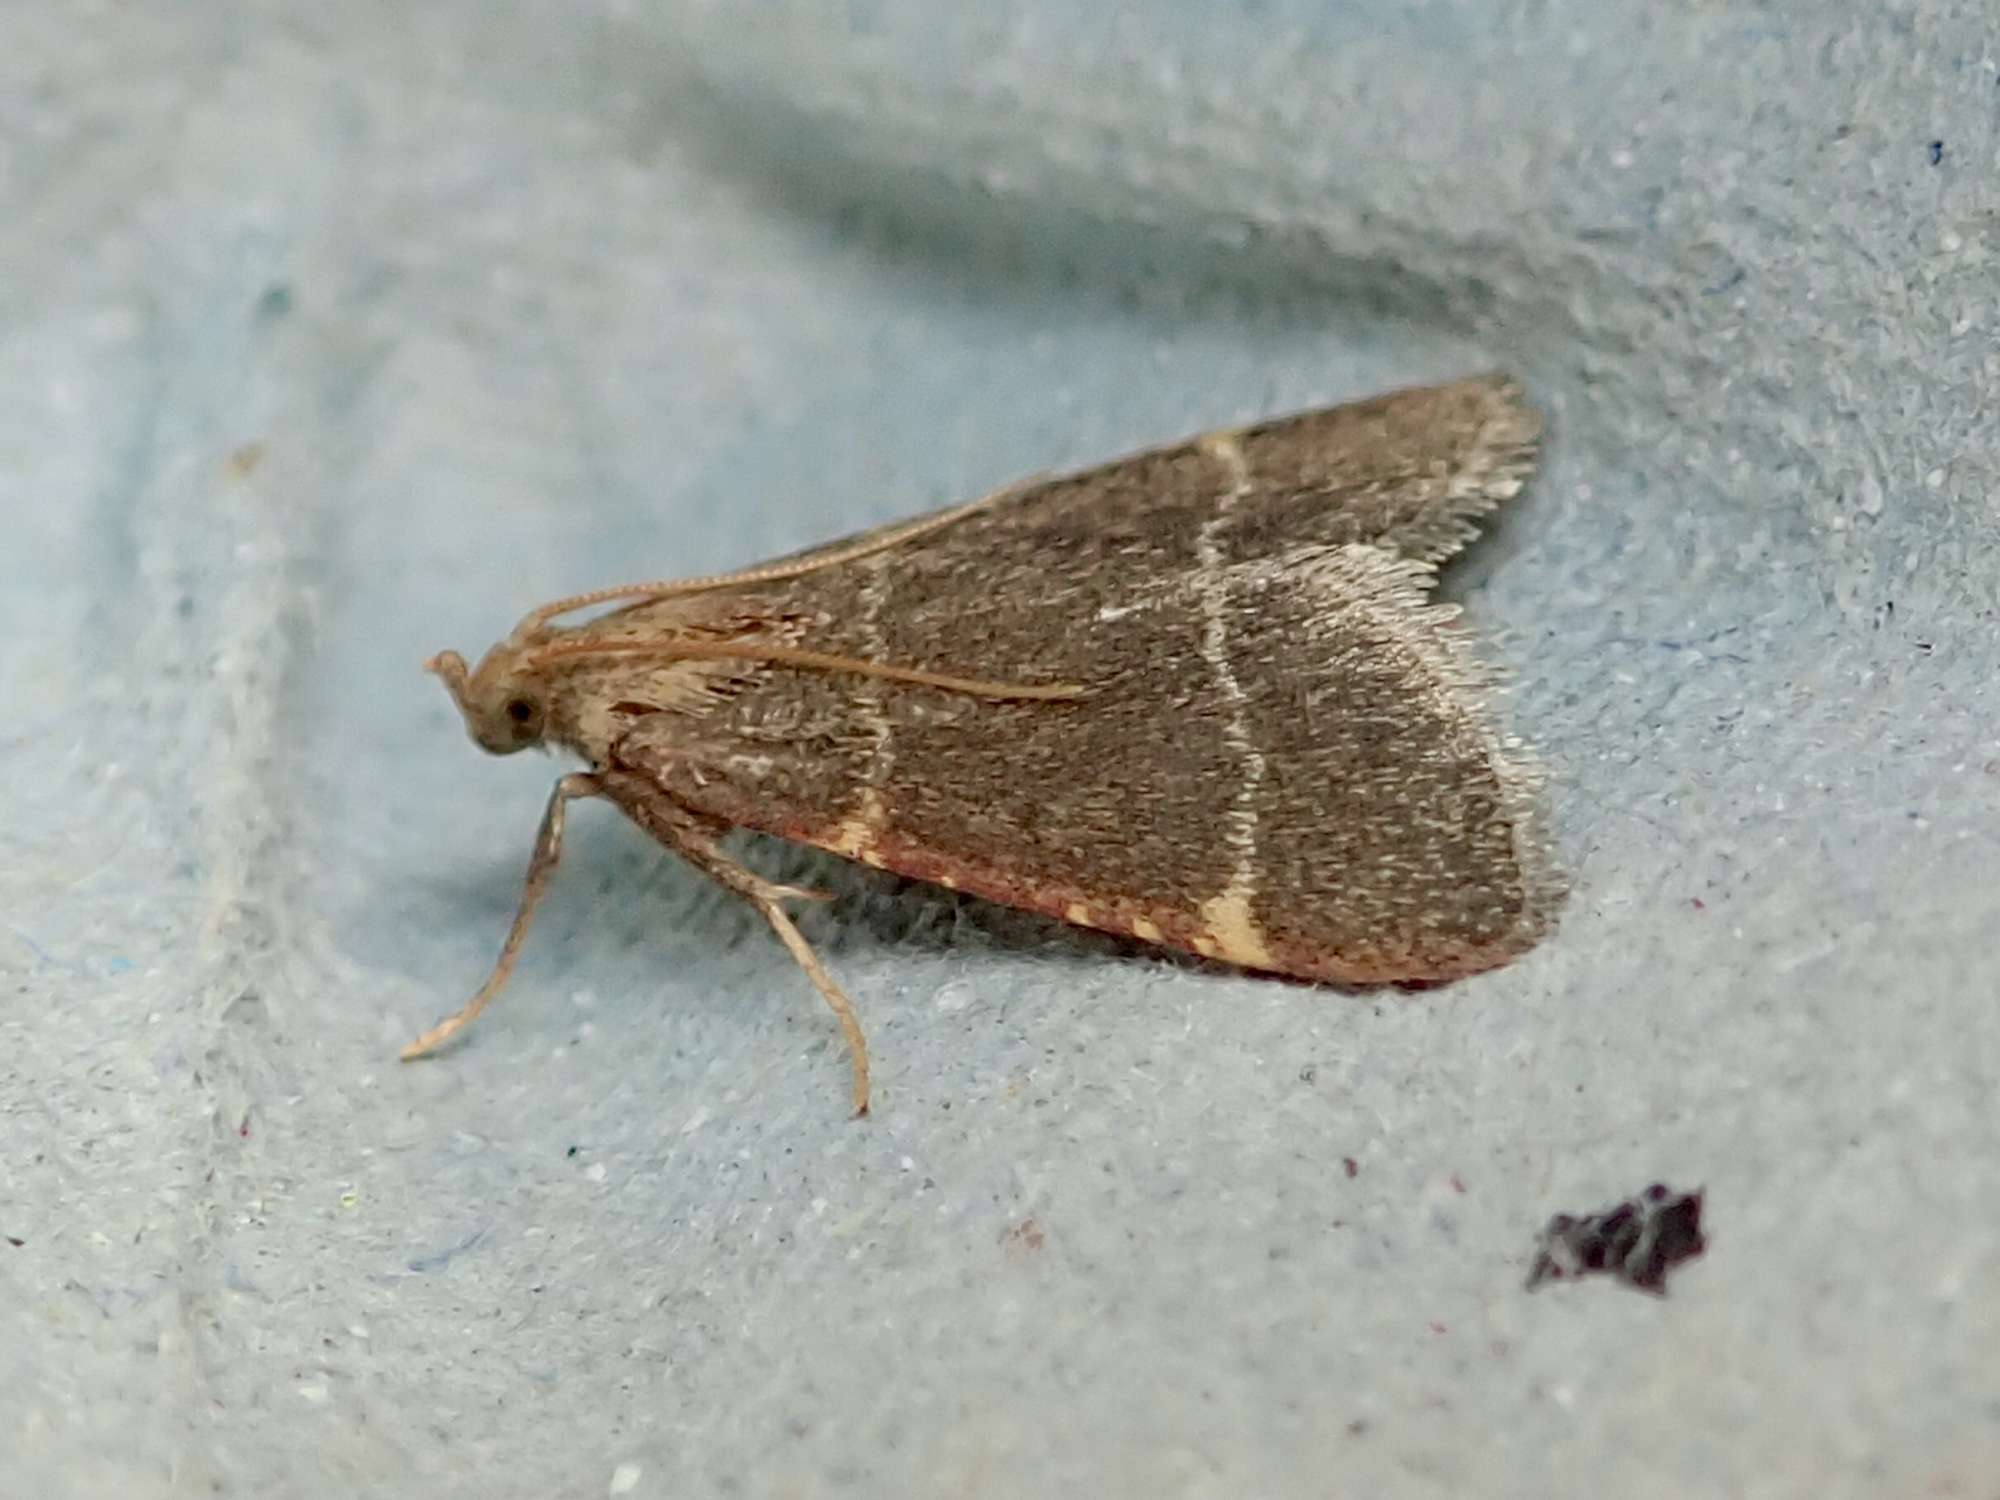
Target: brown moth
1197 696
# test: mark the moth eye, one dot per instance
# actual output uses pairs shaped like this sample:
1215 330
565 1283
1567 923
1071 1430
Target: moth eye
520 710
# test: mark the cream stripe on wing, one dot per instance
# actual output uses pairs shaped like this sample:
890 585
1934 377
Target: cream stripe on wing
1229 925
859 831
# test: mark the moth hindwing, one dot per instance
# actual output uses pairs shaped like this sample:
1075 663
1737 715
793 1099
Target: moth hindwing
1197 696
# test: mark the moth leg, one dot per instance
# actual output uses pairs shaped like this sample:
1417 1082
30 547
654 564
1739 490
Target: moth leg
541 865
693 838
843 1008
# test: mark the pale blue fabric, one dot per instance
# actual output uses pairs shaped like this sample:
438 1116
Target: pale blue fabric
331 338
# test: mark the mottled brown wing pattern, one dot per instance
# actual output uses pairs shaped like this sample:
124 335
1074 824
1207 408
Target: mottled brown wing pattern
1407 472
1283 757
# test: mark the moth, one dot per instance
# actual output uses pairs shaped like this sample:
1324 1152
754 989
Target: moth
1198 696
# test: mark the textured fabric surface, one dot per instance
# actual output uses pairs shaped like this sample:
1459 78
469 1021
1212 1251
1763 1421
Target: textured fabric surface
332 337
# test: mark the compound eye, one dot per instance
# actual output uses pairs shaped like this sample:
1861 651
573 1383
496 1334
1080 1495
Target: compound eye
520 710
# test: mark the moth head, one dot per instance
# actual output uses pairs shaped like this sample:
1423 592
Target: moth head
501 699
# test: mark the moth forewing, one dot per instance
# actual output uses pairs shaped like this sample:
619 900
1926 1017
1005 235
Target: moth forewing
1197 696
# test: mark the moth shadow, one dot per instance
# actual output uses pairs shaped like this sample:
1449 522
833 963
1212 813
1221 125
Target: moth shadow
1170 259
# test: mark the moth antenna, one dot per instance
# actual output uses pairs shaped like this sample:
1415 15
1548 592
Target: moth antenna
788 656
777 572
665 588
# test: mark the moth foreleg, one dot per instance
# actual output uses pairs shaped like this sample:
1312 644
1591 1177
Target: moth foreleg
541 865
689 836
